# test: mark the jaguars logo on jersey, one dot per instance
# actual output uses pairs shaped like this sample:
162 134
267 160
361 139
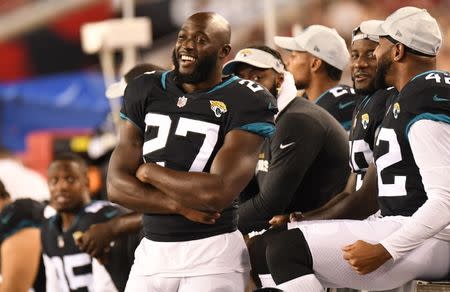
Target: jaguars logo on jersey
396 109
218 108
365 120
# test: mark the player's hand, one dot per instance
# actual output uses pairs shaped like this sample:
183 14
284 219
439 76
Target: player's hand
199 216
279 220
141 172
365 257
96 241
296 217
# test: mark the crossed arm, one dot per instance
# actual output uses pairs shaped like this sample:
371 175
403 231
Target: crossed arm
126 189
149 188
230 171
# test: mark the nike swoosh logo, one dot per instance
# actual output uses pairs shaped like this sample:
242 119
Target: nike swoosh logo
111 214
347 104
286 145
271 106
438 99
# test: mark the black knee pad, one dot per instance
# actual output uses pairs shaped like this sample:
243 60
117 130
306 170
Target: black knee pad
288 257
257 251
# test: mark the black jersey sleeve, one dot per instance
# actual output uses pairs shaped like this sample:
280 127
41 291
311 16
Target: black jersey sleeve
293 152
22 213
252 108
428 98
135 99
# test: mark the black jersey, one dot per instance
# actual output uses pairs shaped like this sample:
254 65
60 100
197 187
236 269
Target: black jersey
184 131
75 270
400 188
339 101
300 168
367 118
23 213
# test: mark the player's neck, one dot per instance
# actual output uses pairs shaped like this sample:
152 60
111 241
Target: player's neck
412 69
67 219
317 87
212 81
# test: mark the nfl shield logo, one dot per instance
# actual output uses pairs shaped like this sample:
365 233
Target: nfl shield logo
181 101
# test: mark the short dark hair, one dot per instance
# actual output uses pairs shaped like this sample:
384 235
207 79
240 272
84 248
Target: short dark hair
269 50
139 70
70 156
332 72
3 192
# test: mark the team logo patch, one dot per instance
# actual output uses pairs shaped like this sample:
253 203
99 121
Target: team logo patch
365 120
244 53
218 108
182 100
396 110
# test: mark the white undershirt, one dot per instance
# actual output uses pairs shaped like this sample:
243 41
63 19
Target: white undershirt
430 145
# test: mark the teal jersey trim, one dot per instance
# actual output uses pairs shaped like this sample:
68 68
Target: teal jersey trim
346 125
221 85
163 79
22 224
428 72
125 118
320 97
426 116
263 129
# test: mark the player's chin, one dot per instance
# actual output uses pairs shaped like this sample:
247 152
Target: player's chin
66 207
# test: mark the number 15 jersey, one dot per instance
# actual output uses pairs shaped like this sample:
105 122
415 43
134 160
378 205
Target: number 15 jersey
400 188
184 131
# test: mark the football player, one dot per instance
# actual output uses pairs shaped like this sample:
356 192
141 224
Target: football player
369 112
317 58
408 240
199 137
308 145
21 262
66 267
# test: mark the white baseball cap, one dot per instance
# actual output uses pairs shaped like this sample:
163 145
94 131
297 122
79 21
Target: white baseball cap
413 27
321 41
254 57
361 32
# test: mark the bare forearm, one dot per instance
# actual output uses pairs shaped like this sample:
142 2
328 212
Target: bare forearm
129 192
197 190
126 224
344 206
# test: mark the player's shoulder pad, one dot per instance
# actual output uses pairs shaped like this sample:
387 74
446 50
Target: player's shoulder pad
20 214
427 90
343 90
104 208
146 81
251 95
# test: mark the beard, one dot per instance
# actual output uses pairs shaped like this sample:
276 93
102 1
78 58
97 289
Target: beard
366 90
202 71
384 66
273 90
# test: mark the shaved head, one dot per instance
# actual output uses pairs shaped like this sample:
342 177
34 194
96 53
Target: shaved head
215 23
202 45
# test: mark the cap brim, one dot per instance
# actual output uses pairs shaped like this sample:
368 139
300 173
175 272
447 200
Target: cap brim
230 66
287 43
116 90
373 29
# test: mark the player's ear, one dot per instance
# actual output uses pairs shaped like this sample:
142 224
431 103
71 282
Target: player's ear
399 52
279 80
315 64
225 51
